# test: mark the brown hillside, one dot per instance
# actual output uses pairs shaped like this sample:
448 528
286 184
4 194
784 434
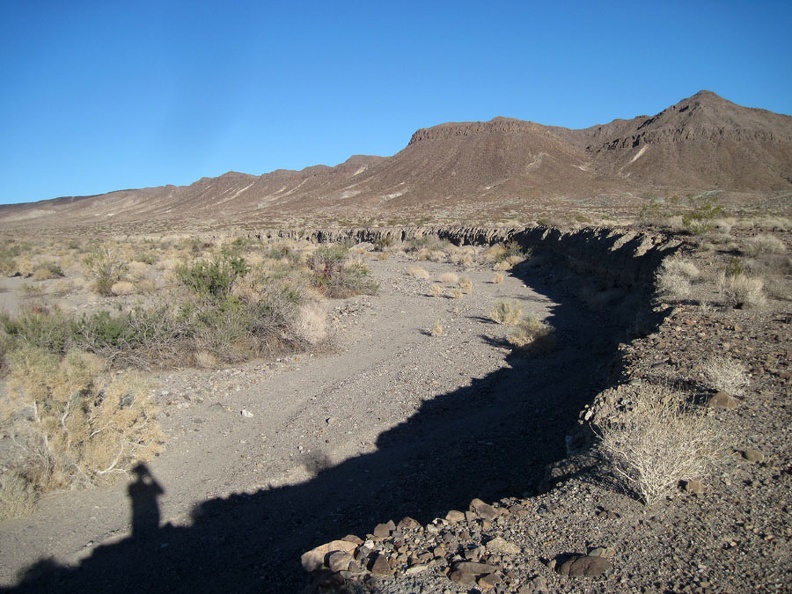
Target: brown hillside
459 171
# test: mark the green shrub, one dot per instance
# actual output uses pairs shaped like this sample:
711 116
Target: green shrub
334 276
212 278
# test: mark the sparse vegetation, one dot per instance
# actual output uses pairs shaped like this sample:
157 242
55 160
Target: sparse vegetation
675 277
418 272
762 244
507 313
72 423
725 374
654 439
337 277
533 336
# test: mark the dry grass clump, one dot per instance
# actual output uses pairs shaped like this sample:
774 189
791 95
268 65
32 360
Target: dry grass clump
72 422
449 278
533 336
436 291
763 244
122 288
498 278
506 313
725 374
466 285
653 439
741 291
436 329
675 277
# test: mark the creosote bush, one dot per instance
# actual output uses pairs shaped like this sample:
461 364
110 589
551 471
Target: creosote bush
105 266
652 438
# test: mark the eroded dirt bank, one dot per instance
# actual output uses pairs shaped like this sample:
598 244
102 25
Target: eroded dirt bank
395 423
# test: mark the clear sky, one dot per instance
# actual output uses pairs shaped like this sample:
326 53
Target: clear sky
104 95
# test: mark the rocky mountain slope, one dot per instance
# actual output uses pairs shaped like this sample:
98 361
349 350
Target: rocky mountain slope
458 171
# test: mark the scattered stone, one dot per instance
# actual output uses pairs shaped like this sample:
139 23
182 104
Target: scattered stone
384 530
694 487
415 569
379 565
583 566
339 561
315 558
409 523
475 568
484 510
455 516
754 456
489 581
462 578
722 400
502 546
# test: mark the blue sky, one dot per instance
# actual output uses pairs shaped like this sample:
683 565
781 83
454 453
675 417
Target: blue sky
103 95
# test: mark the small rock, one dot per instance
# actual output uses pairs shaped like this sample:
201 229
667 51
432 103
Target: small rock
384 530
339 561
722 400
379 565
414 569
455 516
489 581
315 558
462 577
246 413
694 487
409 523
583 566
754 456
476 568
484 510
502 546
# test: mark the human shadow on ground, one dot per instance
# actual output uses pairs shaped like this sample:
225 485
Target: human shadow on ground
490 439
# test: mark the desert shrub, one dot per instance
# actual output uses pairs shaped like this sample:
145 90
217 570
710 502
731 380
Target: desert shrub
105 266
122 288
704 210
498 278
212 278
17 495
38 326
742 291
436 291
336 277
532 335
466 284
762 244
448 278
73 423
725 374
507 313
418 272
47 271
436 329
674 277
654 439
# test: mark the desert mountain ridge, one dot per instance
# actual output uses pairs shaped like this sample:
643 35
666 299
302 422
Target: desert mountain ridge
462 171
